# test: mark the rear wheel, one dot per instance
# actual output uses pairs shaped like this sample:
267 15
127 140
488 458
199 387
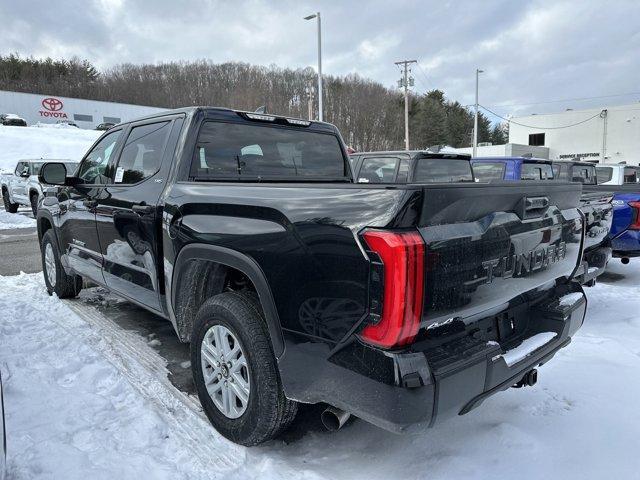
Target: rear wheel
34 204
235 370
8 206
55 278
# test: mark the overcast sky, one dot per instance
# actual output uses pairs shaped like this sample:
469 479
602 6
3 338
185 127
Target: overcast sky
536 51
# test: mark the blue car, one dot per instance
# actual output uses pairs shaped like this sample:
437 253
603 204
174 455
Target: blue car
624 181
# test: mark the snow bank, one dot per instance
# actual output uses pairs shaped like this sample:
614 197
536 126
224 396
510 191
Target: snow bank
15 220
37 142
87 400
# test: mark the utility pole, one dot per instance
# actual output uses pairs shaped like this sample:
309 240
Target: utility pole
310 17
475 119
405 82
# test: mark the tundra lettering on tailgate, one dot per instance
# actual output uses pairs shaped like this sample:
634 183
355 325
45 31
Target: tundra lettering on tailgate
514 265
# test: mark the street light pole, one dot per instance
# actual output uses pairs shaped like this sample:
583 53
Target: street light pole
310 17
475 119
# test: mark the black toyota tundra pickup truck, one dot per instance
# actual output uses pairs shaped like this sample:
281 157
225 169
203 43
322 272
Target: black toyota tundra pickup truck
399 304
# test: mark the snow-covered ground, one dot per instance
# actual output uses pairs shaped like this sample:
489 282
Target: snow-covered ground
44 141
86 399
22 219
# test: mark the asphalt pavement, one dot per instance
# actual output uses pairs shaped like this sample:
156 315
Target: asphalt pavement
19 251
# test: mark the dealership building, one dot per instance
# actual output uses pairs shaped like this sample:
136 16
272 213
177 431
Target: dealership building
600 135
43 108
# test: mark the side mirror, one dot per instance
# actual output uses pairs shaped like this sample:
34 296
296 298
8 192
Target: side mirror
53 173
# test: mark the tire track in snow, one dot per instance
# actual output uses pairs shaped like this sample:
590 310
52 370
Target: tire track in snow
146 371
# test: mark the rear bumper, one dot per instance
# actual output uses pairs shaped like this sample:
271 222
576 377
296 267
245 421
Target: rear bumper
470 373
626 244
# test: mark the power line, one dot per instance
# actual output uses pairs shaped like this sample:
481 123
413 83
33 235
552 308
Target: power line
540 128
426 77
567 100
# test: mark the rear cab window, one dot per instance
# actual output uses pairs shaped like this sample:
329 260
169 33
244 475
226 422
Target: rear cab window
585 174
378 170
488 171
536 171
236 151
442 170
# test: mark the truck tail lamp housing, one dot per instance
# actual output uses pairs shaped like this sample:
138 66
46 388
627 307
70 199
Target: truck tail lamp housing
402 258
635 216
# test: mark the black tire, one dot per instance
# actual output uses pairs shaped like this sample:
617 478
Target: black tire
66 286
8 206
33 199
268 412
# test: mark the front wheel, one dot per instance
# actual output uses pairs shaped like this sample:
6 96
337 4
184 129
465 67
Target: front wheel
235 370
55 278
8 206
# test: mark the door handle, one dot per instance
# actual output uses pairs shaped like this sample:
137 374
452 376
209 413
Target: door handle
142 208
90 203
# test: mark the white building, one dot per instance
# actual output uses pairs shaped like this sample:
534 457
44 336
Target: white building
506 150
36 108
601 135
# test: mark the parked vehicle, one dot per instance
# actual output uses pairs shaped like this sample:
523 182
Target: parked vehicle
623 181
105 126
416 166
22 187
13 120
596 206
400 304
67 122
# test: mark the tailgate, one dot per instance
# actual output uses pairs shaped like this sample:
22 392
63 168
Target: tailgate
598 213
487 244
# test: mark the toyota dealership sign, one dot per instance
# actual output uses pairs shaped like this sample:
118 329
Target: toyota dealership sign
52 107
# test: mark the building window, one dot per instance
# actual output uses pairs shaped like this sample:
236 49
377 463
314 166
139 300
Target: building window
536 139
111 119
82 118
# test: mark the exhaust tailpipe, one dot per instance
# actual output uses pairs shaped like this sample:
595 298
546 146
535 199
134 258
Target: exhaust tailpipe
333 418
624 260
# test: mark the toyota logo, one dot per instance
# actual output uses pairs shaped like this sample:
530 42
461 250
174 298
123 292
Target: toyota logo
52 104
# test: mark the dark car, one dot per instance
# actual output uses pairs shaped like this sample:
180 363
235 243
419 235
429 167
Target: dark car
13 120
401 304
105 126
412 166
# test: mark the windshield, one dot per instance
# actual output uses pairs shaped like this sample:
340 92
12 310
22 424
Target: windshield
605 174
431 170
631 174
228 151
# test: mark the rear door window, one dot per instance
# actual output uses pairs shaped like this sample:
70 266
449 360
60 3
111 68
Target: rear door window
230 151
605 174
378 170
488 171
536 171
142 153
446 170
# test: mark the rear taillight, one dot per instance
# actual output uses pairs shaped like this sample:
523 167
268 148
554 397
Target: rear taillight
402 256
635 216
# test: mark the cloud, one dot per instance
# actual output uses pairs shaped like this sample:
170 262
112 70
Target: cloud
531 51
